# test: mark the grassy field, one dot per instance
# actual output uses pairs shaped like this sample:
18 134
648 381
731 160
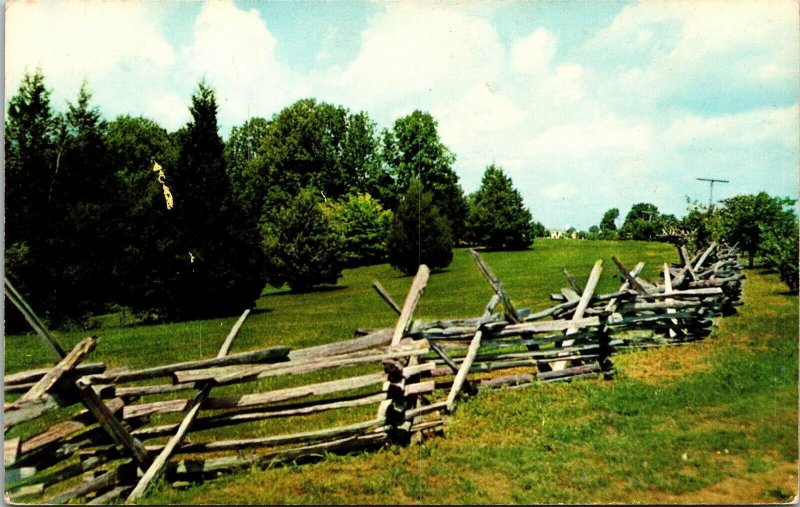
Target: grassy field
711 422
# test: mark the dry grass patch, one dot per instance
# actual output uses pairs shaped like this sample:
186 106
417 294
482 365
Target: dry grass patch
653 366
776 485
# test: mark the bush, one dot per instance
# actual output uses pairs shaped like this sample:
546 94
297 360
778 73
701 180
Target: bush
364 227
301 246
421 234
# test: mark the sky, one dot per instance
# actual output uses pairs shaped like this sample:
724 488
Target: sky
585 105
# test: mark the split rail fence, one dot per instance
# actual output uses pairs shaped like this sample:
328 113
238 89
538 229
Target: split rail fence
82 432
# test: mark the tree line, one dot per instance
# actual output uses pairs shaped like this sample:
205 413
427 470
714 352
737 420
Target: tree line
764 227
109 215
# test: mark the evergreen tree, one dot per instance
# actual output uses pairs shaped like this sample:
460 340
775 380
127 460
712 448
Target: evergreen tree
421 234
302 247
29 150
216 259
497 216
80 196
414 151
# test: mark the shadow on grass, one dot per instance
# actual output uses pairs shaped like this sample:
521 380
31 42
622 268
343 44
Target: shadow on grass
257 311
434 271
310 290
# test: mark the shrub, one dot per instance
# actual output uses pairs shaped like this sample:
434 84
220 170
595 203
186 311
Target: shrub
364 227
301 246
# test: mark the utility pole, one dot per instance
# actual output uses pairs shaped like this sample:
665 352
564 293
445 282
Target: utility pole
711 189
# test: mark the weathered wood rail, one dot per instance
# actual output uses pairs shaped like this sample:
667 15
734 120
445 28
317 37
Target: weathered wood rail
82 432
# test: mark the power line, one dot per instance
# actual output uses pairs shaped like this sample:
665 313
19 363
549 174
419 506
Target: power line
711 182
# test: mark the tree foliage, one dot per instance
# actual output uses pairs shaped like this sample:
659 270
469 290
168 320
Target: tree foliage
744 219
82 247
421 234
780 251
539 230
302 247
643 222
29 148
699 226
240 151
145 234
414 151
608 224
497 216
311 144
216 259
364 227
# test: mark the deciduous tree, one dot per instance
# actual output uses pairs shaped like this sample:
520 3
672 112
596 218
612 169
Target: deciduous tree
608 224
744 219
641 223
414 151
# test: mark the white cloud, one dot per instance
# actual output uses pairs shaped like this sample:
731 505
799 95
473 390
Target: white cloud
533 52
235 51
620 120
415 52
561 190
700 54
589 139
777 126
73 41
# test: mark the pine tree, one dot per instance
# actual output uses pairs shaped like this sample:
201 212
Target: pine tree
497 217
216 259
80 200
421 233
29 145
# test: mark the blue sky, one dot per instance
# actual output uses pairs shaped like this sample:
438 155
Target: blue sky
587 105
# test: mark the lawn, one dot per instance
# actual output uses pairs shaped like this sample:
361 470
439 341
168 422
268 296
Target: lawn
710 422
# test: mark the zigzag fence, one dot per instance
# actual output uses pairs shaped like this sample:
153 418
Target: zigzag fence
81 432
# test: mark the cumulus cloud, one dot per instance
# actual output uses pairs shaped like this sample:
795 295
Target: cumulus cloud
533 52
702 56
234 51
108 44
665 90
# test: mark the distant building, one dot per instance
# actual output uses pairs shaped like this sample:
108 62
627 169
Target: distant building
567 233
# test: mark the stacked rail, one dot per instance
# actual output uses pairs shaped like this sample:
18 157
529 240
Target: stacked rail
82 432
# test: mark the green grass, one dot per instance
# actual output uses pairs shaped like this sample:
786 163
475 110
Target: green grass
332 314
683 424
